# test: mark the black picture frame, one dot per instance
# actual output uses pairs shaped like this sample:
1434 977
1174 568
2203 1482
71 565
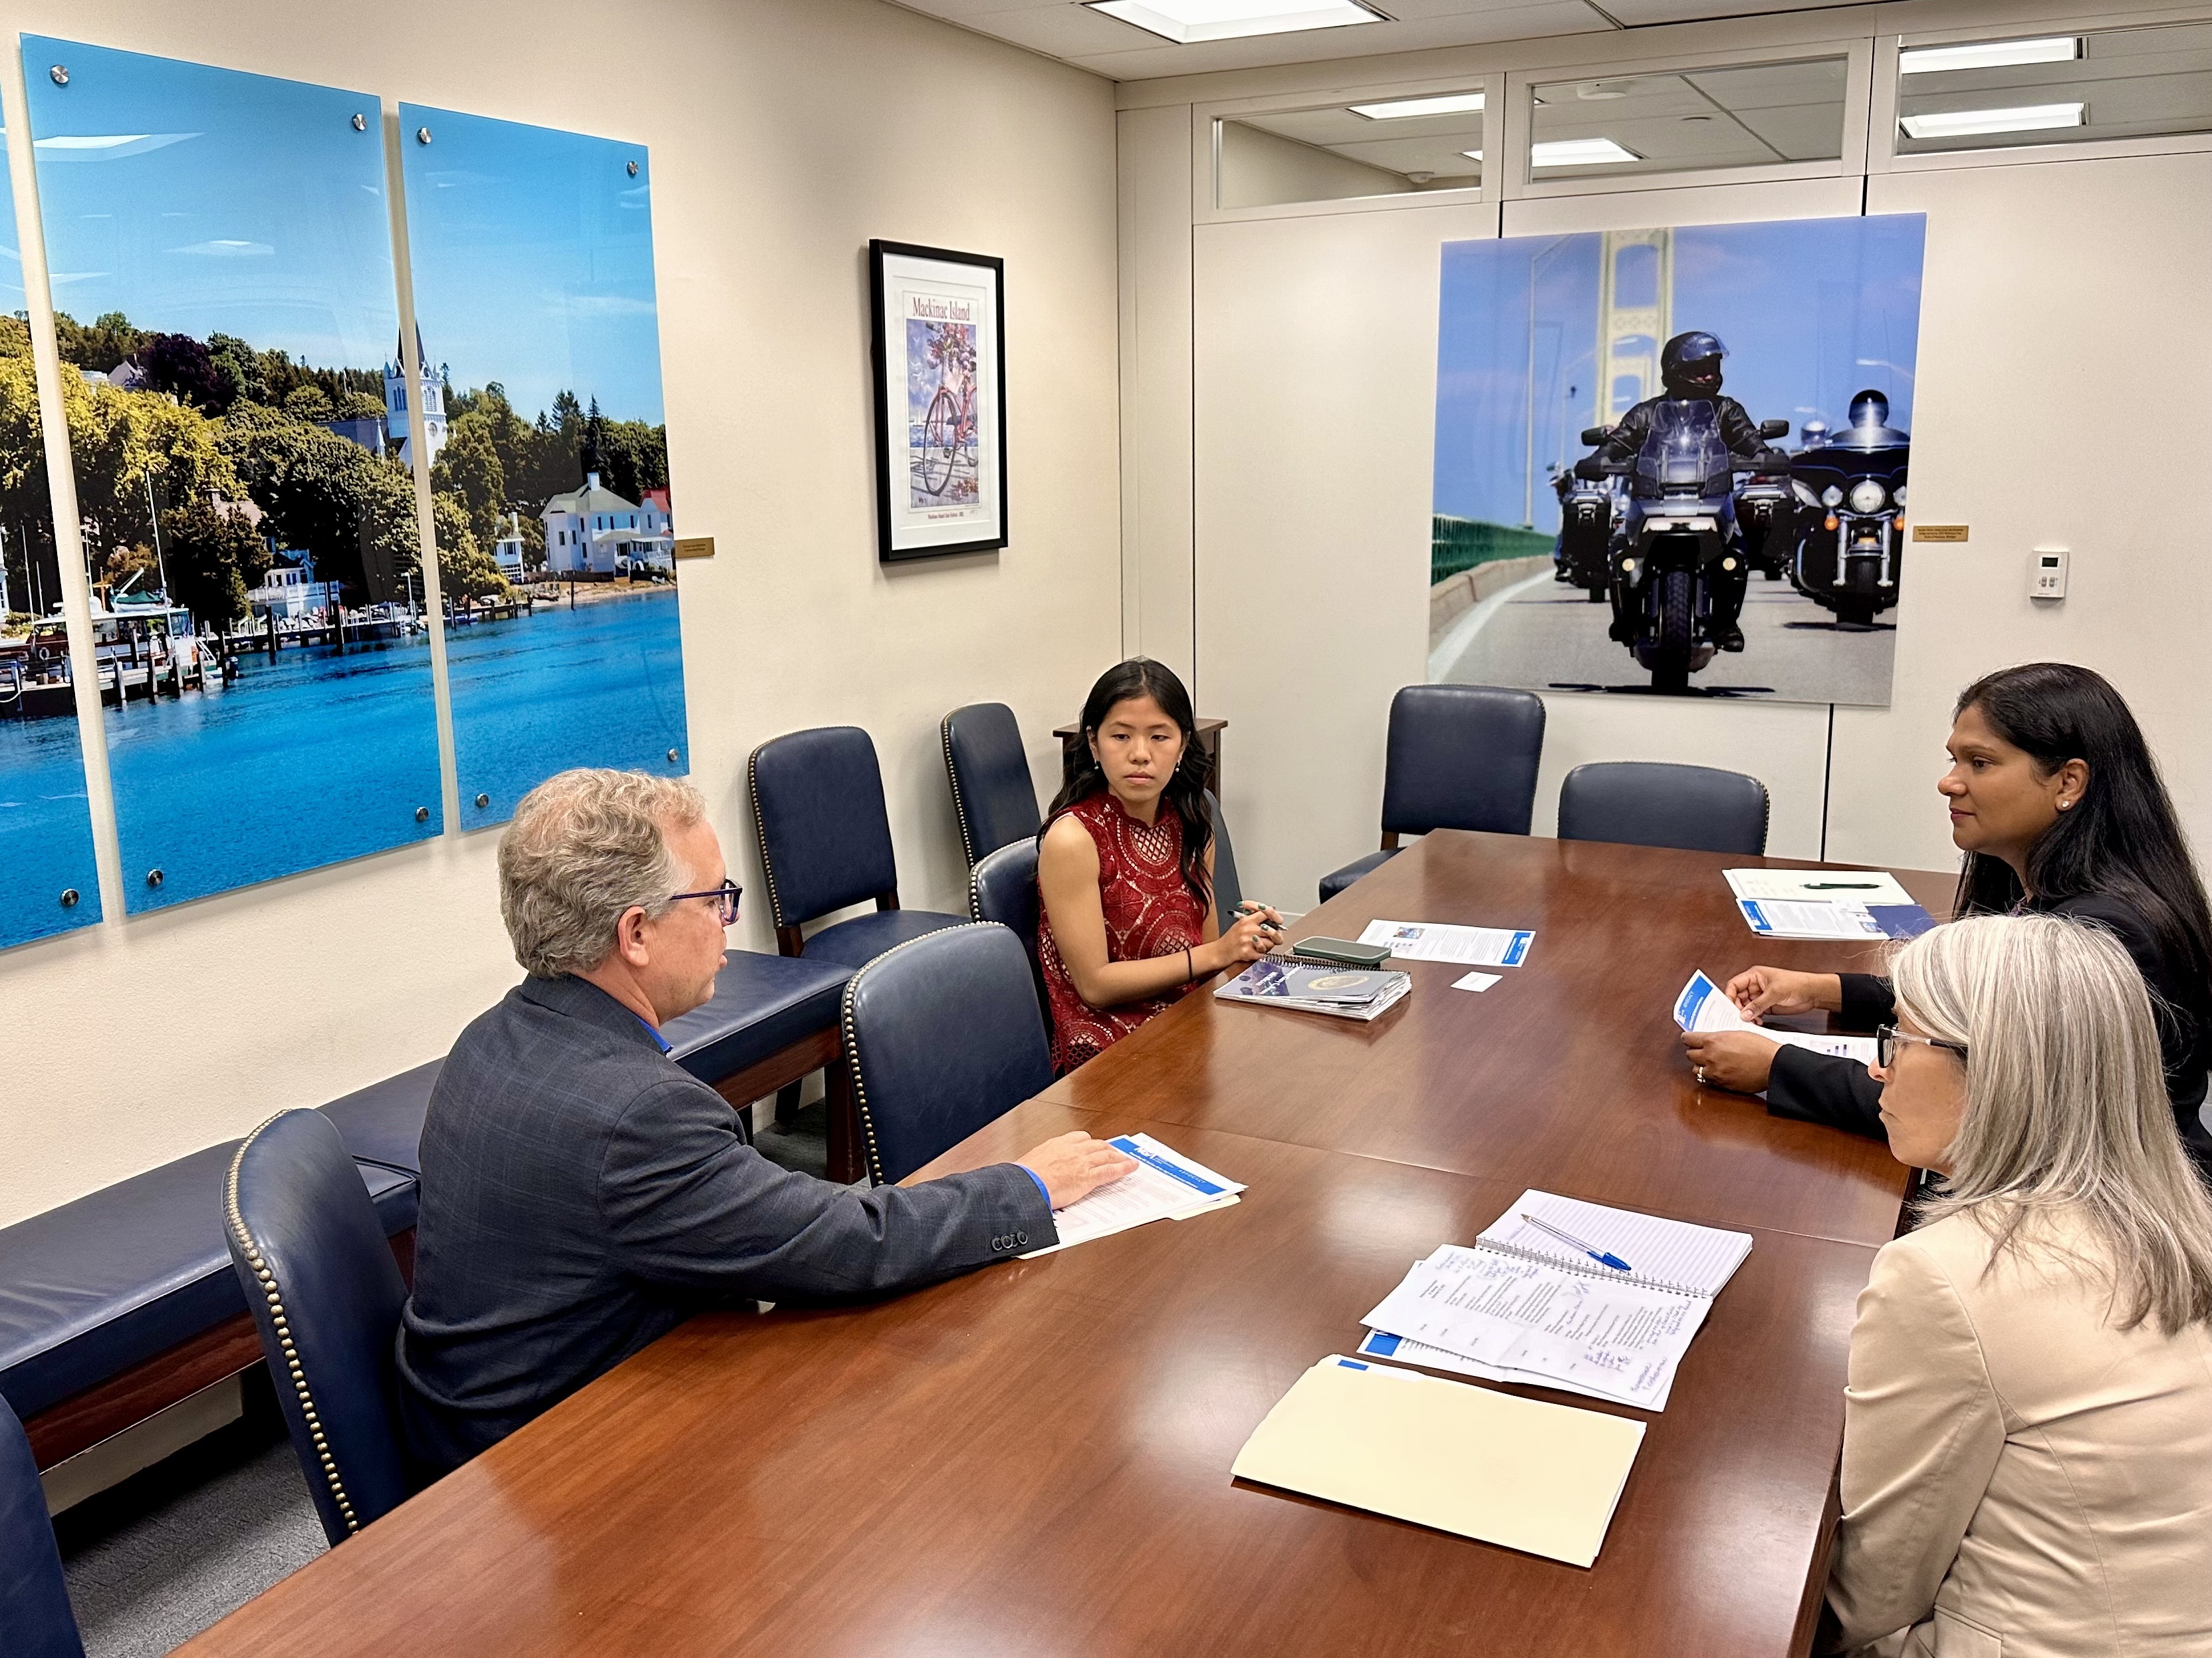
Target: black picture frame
898 539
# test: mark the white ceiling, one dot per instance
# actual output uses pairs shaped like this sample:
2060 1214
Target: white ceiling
1090 39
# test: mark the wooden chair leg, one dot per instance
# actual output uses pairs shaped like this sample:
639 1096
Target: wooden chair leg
787 1102
846 1163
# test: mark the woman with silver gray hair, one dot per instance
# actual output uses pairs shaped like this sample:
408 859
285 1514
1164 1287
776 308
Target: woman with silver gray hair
2027 1429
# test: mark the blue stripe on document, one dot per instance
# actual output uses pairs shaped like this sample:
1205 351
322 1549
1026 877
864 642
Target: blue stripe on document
1381 1344
1516 949
1755 915
1123 1143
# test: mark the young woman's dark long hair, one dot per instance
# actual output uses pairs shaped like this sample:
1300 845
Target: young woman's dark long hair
2121 838
1185 794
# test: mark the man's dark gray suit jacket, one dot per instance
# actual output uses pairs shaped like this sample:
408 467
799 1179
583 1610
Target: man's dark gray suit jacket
582 1194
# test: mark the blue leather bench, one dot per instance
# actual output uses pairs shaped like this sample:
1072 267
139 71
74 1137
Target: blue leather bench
124 1302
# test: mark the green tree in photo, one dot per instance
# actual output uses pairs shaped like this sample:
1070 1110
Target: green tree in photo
213 557
309 403
469 467
465 571
101 345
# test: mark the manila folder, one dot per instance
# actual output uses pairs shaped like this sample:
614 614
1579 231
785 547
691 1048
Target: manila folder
1540 1478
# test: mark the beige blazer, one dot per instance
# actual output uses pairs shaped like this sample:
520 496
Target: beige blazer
2020 1478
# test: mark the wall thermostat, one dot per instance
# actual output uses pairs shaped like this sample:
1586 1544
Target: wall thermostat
2046 573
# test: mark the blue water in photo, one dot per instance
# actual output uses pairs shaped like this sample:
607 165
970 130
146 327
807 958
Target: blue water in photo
319 758
600 685
45 832
303 761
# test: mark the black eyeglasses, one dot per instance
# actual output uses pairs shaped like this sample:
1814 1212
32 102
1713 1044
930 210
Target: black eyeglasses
728 893
1886 1036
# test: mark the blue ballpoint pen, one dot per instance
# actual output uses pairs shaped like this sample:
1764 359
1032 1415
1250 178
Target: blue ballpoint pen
1598 1255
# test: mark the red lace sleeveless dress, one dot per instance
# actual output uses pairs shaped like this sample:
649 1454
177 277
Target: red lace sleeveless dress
1150 911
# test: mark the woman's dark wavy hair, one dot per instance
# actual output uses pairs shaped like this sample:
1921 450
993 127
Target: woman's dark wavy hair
2120 838
1185 795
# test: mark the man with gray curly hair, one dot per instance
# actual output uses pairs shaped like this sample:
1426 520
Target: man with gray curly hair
582 1193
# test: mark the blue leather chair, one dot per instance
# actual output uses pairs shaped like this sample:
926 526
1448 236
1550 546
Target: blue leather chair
326 1296
35 1618
1650 803
825 843
1228 892
1003 887
943 1036
1460 757
993 794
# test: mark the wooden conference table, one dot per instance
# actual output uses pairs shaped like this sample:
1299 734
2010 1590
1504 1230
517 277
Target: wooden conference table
1034 1459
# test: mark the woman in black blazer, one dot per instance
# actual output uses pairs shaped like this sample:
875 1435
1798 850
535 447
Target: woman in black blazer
2058 805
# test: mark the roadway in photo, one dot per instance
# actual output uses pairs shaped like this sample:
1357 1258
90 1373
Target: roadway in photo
1546 634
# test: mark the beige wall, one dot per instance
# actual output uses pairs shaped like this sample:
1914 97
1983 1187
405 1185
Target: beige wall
1259 168
784 134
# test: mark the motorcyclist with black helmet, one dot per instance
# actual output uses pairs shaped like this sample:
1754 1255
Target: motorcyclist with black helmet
1690 368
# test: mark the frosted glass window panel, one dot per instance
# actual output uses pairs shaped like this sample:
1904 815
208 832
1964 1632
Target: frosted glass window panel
49 882
2119 83
532 251
1367 147
1688 120
219 247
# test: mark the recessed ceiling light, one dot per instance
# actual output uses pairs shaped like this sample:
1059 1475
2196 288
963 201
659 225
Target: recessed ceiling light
1579 152
1188 21
1452 103
1989 54
1973 122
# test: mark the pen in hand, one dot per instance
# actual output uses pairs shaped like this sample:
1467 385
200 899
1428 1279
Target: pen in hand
1568 1238
1251 908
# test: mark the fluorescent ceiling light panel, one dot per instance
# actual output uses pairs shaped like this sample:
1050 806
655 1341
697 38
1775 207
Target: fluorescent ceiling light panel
1472 155
1188 21
1452 103
1579 152
1989 54
1973 123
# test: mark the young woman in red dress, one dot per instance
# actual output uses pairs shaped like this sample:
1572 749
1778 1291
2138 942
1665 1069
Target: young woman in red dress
1127 923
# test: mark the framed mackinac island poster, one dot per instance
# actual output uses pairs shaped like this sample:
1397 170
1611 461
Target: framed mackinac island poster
940 400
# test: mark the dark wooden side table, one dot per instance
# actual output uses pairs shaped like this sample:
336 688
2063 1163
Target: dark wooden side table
1209 739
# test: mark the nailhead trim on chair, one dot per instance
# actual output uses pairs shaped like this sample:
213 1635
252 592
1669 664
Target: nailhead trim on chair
959 806
853 1045
974 896
760 835
284 1329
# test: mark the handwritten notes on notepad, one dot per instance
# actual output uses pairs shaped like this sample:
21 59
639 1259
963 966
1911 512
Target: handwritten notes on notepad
1543 1478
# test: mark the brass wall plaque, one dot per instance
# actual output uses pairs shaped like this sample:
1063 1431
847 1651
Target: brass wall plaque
1920 533
703 546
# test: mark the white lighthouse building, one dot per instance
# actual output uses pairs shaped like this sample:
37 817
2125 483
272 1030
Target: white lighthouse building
432 395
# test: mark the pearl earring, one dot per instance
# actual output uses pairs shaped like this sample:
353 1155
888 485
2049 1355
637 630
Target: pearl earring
2065 805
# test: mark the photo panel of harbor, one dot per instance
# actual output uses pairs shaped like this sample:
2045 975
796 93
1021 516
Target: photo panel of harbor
49 882
532 256
219 246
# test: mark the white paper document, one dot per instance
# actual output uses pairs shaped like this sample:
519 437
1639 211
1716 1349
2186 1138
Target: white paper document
1783 917
1525 1305
1703 1006
1615 1340
1818 886
1436 940
1164 1185
1478 981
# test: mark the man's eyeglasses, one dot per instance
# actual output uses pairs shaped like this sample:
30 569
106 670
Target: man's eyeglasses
1887 1038
727 892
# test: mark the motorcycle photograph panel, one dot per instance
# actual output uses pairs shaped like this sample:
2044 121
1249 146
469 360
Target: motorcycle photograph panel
1608 518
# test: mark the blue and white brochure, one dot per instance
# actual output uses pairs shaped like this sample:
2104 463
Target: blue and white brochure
1165 1185
1438 940
1703 1006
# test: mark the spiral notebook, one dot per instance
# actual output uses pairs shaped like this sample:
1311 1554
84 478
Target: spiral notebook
1524 1306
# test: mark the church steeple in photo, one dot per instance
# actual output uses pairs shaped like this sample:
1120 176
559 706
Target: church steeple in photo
431 392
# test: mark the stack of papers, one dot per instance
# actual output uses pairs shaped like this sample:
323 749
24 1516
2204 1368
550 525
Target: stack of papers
1435 940
1520 1305
1164 1186
1853 904
1316 987
1542 1479
1703 1006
